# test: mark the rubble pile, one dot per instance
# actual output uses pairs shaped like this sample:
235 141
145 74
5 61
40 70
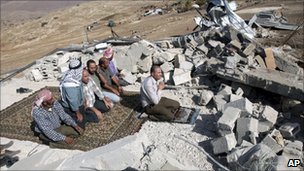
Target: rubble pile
218 51
248 133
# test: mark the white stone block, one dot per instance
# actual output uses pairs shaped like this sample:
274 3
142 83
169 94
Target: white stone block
227 121
37 75
185 65
182 78
167 66
270 115
223 144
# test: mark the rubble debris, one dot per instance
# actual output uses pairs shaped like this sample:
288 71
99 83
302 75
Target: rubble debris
270 62
227 120
270 115
205 97
272 143
244 127
154 11
257 157
290 130
269 19
222 15
244 104
223 144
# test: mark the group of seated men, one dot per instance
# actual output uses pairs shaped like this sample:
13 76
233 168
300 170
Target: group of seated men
87 93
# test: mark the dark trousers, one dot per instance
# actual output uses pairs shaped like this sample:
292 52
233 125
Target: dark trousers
164 110
88 116
101 106
63 129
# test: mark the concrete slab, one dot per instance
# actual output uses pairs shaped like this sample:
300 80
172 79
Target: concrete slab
223 144
269 59
244 127
227 121
243 104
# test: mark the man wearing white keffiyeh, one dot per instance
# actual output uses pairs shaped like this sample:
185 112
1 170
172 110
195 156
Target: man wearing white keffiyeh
71 91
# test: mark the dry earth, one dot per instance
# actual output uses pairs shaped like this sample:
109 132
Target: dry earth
24 42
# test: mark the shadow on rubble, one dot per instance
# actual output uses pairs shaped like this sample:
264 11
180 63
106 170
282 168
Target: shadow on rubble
130 100
206 125
206 145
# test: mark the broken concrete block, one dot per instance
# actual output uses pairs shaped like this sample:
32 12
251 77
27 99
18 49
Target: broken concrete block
128 77
167 66
145 64
246 89
203 49
168 56
89 50
260 61
181 78
264 126
178 71
236 44
269 60
249 49
215 52
257 157
286 64
244 104
124 61
179 59
272 143
205 97
281 163
250 60
37 75
147 48
63 59
196 59
225 90
234 97
223 144
175 51
231 62
293 149
160 58
227 121
168 77
188 52
165 44
244 127
143 76
101 46
219 101
246 144
290 130
185 65
213 43
239 92
270 115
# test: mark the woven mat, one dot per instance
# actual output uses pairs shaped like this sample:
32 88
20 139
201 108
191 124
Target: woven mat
119 122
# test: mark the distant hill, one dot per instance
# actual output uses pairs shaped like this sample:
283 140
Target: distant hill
22 10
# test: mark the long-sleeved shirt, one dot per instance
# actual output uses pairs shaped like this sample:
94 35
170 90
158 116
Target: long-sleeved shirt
89 91
112 67
149 93
72 97
48 121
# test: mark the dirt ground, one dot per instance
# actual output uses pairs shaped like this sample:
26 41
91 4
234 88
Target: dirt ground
23 43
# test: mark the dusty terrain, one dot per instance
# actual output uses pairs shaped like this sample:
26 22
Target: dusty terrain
23 42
